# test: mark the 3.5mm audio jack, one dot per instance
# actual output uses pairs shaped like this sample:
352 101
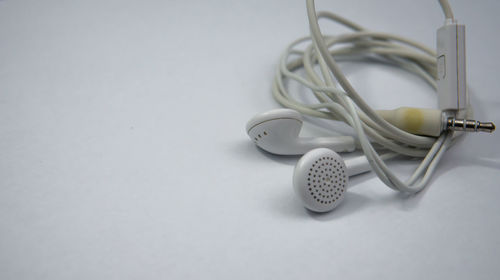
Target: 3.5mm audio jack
469 125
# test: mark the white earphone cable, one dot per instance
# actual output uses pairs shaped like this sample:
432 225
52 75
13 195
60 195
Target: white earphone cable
345 104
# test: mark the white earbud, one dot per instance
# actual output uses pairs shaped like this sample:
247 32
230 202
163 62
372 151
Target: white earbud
277 131
321 175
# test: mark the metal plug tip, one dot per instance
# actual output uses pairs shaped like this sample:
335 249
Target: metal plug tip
469 125
486 127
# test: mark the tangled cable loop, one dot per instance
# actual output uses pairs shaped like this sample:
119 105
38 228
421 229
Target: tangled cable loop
338 100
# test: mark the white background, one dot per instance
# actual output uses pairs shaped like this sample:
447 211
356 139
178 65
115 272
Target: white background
123 153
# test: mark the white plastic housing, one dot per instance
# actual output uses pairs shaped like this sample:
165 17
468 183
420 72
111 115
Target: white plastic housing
451 71
320 178
277 131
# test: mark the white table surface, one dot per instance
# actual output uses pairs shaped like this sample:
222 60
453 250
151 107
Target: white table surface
123 153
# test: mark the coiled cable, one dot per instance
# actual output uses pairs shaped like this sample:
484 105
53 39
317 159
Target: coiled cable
342 102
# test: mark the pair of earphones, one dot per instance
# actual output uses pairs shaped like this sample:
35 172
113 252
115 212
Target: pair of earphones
321 175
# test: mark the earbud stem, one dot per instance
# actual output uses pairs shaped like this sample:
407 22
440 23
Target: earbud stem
359 165
337 143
